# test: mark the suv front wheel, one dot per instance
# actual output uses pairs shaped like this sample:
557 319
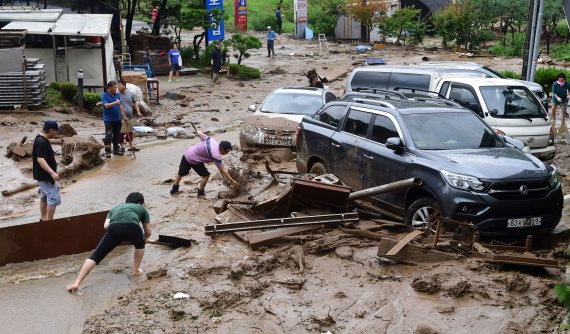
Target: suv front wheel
419 213
318 168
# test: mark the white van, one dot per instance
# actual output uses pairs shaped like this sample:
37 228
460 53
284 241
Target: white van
508 106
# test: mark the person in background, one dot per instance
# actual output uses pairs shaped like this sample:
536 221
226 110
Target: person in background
173 57
113 113
560 99
216 62
44 169
122 224
130 103
279 19
206 151
148 61
154 13
271 37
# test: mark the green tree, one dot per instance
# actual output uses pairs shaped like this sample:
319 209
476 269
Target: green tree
553 13
402 23
324 15
241 44
366 12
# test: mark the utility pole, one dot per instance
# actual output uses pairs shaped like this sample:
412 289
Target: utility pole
529 38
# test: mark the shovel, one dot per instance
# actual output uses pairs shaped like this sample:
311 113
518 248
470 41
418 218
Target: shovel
173 242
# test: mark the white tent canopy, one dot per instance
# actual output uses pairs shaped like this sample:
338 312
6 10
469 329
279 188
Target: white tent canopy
66 24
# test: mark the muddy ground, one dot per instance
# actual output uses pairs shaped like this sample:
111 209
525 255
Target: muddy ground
231 288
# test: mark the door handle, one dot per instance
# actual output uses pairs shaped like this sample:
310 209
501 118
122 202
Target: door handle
368 156
335 145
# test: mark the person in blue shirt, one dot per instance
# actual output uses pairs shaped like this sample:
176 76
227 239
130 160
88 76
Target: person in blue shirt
560 90
113 113
173 56
271 37
279 19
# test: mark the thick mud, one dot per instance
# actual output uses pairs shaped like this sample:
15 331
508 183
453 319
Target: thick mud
231 288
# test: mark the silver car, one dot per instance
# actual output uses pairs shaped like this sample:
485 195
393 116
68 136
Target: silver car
274 122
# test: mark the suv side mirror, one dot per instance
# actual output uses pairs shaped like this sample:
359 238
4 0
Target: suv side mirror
395 143
251 108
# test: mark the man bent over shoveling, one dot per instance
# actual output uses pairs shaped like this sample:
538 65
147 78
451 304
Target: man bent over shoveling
206 151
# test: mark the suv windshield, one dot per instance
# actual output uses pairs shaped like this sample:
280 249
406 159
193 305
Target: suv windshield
292 103
511 102
450 131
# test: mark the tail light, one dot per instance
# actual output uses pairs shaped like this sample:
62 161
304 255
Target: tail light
297 135
551 138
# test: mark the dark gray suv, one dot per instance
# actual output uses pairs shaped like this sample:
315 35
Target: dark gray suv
469 173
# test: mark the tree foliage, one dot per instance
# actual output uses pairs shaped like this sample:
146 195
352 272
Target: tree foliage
403 23
241 44
324 15
367 12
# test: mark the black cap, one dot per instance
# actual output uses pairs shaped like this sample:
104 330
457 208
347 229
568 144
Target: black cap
48 125
226 145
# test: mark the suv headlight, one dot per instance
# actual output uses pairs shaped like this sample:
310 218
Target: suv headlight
463 182
553 181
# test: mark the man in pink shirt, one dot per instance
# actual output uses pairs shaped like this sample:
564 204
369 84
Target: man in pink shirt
206 151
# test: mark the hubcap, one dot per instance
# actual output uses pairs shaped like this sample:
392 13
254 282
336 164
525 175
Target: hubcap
420 219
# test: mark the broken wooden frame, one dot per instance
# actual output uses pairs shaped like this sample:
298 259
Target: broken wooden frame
334 219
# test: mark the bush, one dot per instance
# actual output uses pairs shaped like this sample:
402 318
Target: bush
546 77
53 98
560 52
248 73
510 74
509 48
68 91
90 100
54 85
234 69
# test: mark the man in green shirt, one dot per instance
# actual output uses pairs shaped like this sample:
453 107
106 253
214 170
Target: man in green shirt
560 98
122 224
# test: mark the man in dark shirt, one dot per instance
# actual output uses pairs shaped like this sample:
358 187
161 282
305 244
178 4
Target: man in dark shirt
279 19
216 62
112 114
44 169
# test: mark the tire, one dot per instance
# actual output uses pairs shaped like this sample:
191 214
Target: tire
418 214
318 168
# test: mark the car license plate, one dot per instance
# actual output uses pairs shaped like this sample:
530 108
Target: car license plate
524 222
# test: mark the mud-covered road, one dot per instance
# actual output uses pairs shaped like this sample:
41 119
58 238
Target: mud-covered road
231 288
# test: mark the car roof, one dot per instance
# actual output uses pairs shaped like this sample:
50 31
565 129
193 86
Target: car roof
406 106
300 90
431 70
478 82
456 64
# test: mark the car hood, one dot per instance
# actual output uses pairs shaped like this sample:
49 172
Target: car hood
492 163
293 117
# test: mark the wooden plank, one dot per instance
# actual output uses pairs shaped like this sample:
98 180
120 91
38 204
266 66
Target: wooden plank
276 236
413 253
371 207
519 260
405 240
364 233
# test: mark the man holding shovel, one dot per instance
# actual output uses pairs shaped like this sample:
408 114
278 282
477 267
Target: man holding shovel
130 103
122 224
206 151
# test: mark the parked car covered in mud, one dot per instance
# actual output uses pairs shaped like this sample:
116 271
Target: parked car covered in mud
274 122
469 172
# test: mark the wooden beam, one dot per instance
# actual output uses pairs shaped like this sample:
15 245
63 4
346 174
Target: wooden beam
405 240
412 253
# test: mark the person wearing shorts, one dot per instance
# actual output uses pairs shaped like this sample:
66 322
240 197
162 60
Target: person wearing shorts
44 169
173 57
122 224
206 151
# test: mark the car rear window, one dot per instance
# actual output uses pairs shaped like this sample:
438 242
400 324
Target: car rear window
370 79
449 131
409 80
292 103
357 122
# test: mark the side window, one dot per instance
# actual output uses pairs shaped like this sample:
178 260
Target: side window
409 80
357 122
382 129
329 97
465 97
332 115
444 88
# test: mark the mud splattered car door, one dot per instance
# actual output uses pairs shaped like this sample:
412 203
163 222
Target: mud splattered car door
388 165
346 154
